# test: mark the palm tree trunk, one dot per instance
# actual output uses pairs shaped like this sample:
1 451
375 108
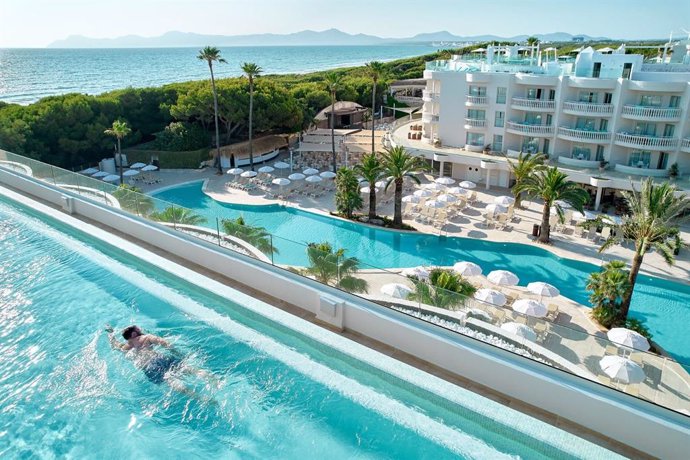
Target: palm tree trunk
215 117
372 202
632 278
373 116
397 212
518 200
333 129
251 116
545 227
119 154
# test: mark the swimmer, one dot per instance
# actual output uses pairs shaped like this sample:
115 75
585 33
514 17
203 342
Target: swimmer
158 367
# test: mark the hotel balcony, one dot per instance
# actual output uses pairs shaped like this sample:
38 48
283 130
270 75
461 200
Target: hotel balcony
641 170
534 105
646 142
685 146
568 160
474 123
473 101
587 108
526 129
583 135
429 118
429 96
639 112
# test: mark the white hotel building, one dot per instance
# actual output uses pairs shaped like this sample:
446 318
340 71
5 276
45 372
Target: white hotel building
598 107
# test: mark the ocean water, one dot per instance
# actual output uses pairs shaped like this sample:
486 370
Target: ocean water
27 75
65 393
663 305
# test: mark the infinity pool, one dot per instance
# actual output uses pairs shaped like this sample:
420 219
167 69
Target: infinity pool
65 393
662 304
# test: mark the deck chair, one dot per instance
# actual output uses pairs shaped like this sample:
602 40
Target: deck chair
552 311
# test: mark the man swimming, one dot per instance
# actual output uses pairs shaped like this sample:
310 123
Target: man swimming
158 367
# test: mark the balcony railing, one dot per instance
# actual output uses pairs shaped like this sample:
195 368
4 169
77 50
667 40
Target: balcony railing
587 108
429 96
532 130
476 100
474 123
641 170
429 118
685 146
646 142
650 113
532 104
583 135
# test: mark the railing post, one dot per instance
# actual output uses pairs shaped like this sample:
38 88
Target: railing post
218 232
52 173
174 217
270 236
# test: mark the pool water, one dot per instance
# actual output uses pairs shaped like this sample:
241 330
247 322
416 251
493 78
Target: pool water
663 305
65 393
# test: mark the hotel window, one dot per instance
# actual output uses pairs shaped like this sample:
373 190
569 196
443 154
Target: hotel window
650 101
585 124
627 69
475 114
552 94
475 139
546 146
608 98
581 152
500 119
532 118
534 93
640 159
501 95
549 119
600 153
669 130
588 96
498 143
530 144
479 91
645 129
596 71
603 125
674 102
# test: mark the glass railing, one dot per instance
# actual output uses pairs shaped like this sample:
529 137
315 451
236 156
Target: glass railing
567 347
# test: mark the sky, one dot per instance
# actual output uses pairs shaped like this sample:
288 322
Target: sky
37 23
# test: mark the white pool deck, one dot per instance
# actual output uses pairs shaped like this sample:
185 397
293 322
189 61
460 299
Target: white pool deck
674 381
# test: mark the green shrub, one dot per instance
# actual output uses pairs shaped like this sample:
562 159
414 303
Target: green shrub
180 136
607 289
169 160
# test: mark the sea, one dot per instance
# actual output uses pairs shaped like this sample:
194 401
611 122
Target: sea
27 75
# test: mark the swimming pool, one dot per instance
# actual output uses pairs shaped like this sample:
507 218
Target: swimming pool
663 305
65 393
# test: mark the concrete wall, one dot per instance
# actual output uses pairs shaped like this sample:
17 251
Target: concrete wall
635 422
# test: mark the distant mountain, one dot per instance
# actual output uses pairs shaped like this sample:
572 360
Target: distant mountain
304 38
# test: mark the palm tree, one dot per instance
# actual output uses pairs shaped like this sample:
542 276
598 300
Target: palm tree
398 164
446 289
133 199
333 83
347 197
552 185
655 213
178 215
332 267
211 54
256 236
371 170
252 71
119 130
608 288
531 41
376 71
525 166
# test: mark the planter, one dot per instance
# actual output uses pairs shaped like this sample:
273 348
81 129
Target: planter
599 181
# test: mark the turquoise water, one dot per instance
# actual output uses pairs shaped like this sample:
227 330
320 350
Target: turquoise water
95 71
662 304
65 393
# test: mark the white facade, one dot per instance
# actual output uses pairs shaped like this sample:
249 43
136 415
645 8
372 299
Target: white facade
597 107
